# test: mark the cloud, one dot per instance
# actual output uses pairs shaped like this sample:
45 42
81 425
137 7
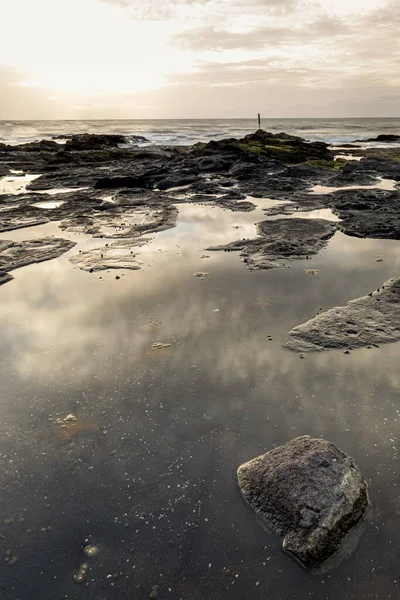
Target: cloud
295 53
213 38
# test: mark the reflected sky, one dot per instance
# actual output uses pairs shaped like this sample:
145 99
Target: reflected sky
148 473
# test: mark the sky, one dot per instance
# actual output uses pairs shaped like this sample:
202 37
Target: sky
148 59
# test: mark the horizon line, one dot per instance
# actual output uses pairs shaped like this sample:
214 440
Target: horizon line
204 119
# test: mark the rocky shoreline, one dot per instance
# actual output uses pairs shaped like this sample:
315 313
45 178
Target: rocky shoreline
110 190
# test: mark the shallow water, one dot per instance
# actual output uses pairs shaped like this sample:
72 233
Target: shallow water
147 472
381 184
49 205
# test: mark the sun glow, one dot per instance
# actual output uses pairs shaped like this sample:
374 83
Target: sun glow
88 47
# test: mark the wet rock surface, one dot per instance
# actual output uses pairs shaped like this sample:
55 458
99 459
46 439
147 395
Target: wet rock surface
125 192
118 255
368 321
281 241
312 494
14 255
5 277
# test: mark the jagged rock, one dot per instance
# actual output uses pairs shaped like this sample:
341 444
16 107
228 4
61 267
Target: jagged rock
383 137
372 319
14 255
5 277
312 494
92 141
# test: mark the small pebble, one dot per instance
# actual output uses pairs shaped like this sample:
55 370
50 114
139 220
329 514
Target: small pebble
91 551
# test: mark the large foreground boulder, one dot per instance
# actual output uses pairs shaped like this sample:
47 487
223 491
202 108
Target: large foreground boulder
312 494
366 321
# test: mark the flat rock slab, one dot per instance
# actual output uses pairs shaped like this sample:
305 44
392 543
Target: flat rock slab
14 255
312 494
282 240
367 321
116 256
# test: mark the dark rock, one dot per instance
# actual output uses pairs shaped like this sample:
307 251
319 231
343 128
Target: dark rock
312 494
176 180
46 145
92 141
14 255
372 319
384 137
5 277
282 240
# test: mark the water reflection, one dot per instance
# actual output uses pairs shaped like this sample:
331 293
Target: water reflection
149 472
381 184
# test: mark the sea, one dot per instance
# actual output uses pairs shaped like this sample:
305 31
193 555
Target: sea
190 131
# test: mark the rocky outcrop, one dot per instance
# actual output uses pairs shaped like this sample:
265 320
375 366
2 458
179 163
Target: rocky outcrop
312 494
281 241
14 255
383 137
367 321
92 141
265 145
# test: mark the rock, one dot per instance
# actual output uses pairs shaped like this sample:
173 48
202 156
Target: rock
91 551
372 319
115 256
312 494
14 255
46 145
383 137
92 141
5 277
282 240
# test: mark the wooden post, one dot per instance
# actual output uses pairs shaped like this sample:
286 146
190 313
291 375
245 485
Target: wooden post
259 121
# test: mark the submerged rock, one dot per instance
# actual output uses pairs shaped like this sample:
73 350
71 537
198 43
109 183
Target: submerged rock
282 240
311 493
372 319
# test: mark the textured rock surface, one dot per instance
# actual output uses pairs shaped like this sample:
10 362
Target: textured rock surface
282 240
14 255
117 256
4 277
311 493
372 319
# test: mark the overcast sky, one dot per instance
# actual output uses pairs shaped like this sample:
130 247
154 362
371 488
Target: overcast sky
199 58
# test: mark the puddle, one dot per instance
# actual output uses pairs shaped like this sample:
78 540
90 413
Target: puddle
348 157
49 204
381 184
324 213
16 185
154 488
